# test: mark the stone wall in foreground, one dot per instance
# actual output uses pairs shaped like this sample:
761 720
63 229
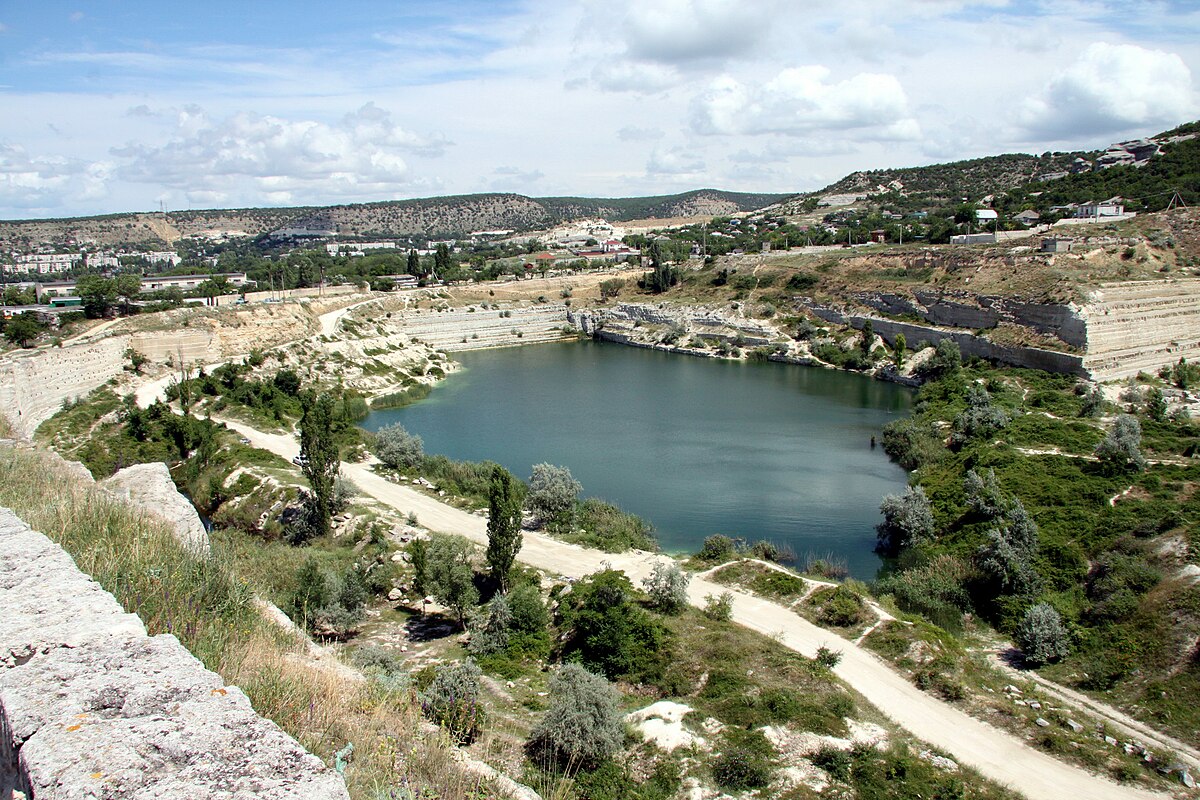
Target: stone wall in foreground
93 707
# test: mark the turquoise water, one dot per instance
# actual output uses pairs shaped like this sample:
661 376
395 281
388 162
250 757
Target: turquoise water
696 446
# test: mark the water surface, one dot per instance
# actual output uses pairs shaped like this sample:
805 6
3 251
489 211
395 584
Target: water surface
696 446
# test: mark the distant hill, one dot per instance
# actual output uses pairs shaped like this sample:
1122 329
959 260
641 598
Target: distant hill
1145 172
434 217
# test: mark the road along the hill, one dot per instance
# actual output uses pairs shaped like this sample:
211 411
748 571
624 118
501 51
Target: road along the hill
996 754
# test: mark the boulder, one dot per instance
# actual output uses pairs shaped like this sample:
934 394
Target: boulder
150 488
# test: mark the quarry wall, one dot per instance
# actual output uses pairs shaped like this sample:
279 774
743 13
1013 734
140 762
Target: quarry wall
92 706
1141 326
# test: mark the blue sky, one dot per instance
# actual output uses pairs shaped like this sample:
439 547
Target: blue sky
114 106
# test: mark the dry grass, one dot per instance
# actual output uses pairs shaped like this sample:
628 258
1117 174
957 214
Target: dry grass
208 607
6 428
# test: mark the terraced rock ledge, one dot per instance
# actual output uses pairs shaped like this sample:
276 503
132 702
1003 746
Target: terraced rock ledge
91 706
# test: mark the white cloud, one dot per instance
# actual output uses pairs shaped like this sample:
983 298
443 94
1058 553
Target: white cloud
633 133
632 76
803 101
1110 89
35 183
671 31
252 156
675 161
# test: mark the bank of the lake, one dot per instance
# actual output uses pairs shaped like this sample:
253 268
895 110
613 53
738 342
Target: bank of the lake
696 446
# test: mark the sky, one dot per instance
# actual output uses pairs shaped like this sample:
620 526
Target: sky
110 105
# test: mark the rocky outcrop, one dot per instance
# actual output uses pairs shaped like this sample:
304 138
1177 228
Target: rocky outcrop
1141 326
91 706
150 488
963 310
457 329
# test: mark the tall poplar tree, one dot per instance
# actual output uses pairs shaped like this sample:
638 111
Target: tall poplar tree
504 524
319 459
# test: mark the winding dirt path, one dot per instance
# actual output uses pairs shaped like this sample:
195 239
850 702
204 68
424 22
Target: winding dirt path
994 753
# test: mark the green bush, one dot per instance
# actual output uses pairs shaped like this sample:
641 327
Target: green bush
745 763
583 727
452 700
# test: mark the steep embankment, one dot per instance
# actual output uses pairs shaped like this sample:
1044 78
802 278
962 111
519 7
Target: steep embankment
35 383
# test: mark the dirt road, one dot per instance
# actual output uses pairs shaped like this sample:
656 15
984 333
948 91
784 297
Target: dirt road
996 754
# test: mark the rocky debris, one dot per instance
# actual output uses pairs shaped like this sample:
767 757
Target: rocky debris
150 488
91 706
1041 722
662 723
941 762
1074 726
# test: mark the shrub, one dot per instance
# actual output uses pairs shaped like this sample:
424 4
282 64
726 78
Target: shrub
583 725
835 761
491 634
716 548
744 763
398 448
984 496
719 608
452 700
980 420
1042 636
1121 447
907 519
828 658
608 632
842 609
667 587
552 494
912 443
449 574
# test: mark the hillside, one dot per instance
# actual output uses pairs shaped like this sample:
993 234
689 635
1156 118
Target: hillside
420 218
1143 171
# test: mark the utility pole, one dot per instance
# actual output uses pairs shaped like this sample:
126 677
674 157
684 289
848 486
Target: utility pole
1176 201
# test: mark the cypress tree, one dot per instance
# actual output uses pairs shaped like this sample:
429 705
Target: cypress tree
504 524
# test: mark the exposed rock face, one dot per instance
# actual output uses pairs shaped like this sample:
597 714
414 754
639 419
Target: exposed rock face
150 488
90 706
1140 326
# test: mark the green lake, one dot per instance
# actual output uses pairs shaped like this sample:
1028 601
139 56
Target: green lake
696 446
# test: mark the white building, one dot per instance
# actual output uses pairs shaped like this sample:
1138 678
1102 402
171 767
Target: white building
357 248
1113 207
48 263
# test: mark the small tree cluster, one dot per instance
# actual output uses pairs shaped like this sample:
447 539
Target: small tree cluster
907 519
552 495
981 419
1007 556
452 700
1042 636
583 725
667 587
449 574
328 605
946 360
398 448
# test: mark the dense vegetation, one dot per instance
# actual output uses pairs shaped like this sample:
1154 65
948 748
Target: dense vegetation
1036 511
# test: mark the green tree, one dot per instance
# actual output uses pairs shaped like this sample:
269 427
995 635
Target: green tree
907 519
583 725
553 494
900 348
398 448
312 592
22 329
128 287
449 574
1156 405
319 458
1042 636
441 260
609 632
504 524
868 339
414 264
97 293
667 587
1121 447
